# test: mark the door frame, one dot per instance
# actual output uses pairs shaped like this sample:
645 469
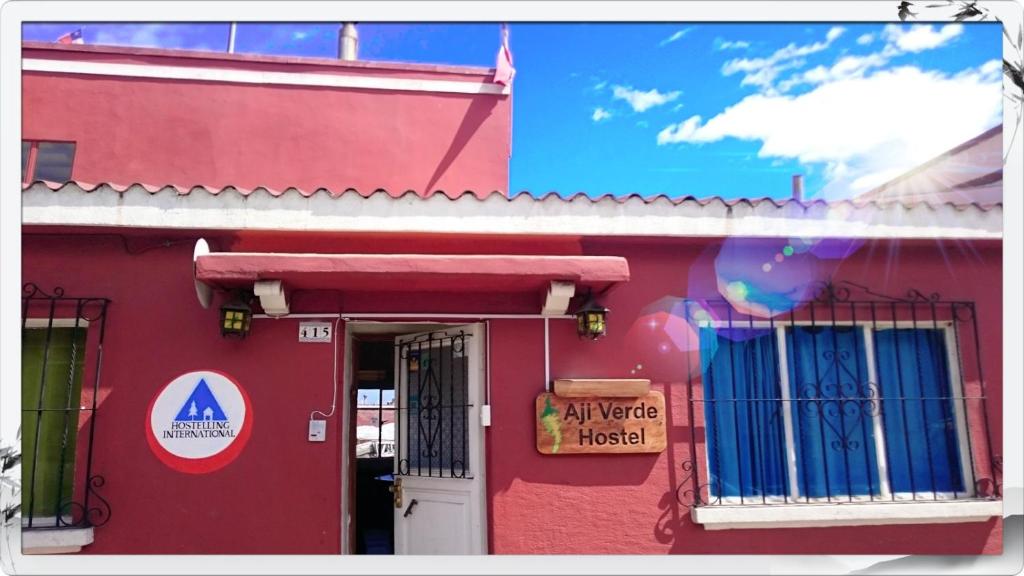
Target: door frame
355 327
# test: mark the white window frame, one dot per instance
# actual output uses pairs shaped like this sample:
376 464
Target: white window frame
881 461
37 323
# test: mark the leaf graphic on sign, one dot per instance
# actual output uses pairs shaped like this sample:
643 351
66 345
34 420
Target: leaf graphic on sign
553 425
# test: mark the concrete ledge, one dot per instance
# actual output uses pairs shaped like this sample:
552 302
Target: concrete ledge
56 541
844 514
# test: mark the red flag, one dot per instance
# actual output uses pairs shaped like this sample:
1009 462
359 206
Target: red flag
503 70
72 38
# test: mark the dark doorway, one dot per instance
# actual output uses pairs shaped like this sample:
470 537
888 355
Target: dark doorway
373 443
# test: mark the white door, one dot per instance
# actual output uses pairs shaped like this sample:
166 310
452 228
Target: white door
439 462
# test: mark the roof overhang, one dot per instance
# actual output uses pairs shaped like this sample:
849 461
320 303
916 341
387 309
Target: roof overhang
272 273
168 208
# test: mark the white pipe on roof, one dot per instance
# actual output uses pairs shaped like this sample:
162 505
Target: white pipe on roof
348 42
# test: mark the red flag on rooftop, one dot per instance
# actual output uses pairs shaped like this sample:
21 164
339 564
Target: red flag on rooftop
503 70
72 38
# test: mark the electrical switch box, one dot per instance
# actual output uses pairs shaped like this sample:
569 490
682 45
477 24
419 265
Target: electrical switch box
317 430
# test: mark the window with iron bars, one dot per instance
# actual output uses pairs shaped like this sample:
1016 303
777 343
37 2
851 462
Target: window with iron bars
62 343
841 400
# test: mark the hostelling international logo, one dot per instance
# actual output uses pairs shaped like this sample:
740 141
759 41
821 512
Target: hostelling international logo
199 422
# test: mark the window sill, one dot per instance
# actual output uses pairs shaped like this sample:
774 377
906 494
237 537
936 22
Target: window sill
55 541
726 517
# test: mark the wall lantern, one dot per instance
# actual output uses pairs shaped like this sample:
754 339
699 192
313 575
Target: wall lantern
591 319
236 315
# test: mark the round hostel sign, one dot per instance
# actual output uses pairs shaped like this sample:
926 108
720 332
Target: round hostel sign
199 422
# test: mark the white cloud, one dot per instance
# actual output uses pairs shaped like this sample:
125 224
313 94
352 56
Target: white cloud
600 85
899 41
765 77
862 128
845 67
177 35
920 36
762 72
641 101
992 70
144 35
685 131
600 114
874 179
731 44
865 39
675 36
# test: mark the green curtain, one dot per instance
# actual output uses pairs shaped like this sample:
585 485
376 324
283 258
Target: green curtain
53 483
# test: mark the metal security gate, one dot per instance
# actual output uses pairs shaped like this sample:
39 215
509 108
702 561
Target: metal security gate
439 466
62 357
432 412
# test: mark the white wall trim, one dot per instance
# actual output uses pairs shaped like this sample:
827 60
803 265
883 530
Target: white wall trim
204 74
845 514
60 541
495 214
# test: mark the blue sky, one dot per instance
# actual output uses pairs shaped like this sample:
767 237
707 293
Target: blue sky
683 108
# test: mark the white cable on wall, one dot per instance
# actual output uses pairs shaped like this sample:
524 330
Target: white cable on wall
547 356
334 375
487 363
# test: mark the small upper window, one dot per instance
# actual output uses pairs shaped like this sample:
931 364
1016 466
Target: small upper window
51 161
26 147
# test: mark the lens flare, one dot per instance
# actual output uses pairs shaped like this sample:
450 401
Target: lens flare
836 248
746 278
823 248
665 338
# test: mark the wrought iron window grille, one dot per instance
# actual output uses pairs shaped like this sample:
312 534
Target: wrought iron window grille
82 506
433 412
850 403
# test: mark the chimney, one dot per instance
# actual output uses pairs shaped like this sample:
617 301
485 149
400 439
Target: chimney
348 42
798 187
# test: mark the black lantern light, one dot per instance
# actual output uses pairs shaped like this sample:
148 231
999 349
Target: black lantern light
236 315
591 319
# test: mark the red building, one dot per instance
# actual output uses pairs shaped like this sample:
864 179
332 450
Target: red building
773 377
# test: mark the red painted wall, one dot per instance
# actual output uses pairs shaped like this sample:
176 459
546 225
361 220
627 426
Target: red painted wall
282 495
626 504
188 133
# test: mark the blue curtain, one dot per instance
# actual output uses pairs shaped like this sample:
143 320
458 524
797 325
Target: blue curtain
832 408
920 430
745 439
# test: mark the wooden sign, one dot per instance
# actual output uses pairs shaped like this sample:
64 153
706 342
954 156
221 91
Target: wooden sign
630 388
600 425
